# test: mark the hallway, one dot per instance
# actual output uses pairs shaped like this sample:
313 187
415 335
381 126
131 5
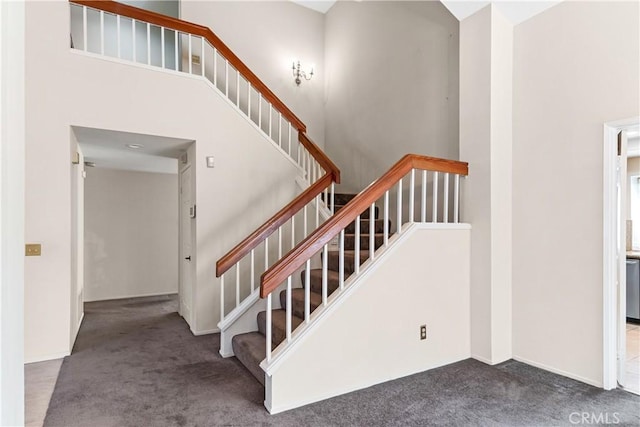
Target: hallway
136 363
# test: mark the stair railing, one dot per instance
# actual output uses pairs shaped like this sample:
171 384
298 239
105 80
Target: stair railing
431 200
129 34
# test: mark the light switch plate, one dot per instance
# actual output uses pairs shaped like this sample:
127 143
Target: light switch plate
33 249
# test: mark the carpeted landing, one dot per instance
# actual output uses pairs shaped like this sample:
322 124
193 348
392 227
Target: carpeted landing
136 363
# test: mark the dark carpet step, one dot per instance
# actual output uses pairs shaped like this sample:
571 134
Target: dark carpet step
364 226
363 215
341 198
315 277
250 350
349 261
279 325
297 301
350 241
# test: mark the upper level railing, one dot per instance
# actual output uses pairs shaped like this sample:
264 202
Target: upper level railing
127 33
430 200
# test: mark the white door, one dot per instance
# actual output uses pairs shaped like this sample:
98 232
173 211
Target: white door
185 291
622 256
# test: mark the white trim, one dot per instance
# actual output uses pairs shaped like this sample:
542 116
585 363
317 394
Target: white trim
226 355
320 314
483 359
155 294
194 77
45 358
557 371
609 279
237 312
198 333
75 335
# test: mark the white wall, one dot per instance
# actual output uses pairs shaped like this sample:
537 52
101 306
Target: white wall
391 85
100 94
131 232
267 36
433 293
12 142
486 46
576 66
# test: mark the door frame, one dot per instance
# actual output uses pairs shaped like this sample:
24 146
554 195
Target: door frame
612 323
183 169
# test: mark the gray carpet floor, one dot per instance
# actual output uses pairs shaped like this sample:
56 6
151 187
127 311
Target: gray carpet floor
136 363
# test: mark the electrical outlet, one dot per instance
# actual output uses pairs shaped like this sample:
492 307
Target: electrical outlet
423 332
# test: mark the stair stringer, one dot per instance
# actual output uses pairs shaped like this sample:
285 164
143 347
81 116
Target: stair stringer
369 333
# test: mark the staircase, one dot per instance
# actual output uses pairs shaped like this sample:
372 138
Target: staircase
249 348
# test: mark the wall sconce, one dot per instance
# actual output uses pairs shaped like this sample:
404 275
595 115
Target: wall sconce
298 72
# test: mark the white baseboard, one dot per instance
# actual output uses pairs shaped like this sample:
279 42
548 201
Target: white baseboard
482 359
226 354
559 372
153 294
205 332
75 335
46 358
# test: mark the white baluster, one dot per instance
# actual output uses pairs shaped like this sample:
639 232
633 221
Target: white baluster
307 291
226 78
118 35
279 242
326 198
237 88
412 185
268 328
270 120
215 67
356 252
317 211
175 53
399 207
445 215
202 58
293 232
423 208
149 44
249 99
253 270
372 236
190 57
238 283
84 28
260 110
162 54
279 129
341 260
266 254
288 308
289 152
101 32
325 263
456 199
435 197
304 225
385 218
222 298
133 40
333 198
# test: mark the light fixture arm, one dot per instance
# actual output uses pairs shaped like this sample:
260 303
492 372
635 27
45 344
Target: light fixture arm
298 72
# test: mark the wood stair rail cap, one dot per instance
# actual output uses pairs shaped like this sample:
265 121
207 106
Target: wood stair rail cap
295 258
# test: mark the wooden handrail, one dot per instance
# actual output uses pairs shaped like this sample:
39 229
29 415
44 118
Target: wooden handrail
293 260
199 30
266 229
320 156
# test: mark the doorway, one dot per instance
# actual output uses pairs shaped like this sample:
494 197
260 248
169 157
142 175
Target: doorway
617 248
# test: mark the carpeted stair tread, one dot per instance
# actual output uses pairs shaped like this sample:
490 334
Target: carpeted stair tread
363 215
279 325
364 226
350 240
297 301
349 260
249 348
315 277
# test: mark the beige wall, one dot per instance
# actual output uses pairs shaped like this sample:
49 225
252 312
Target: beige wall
131 237
100 94
575 68
268 36
434 293
391 85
